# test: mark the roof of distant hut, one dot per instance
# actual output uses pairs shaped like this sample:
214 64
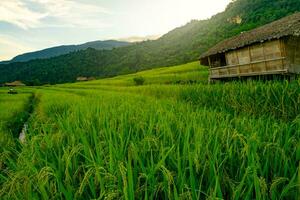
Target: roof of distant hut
287 26
15 83
82 78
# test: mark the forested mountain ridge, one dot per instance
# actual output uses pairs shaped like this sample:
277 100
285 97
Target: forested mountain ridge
65 49
180 45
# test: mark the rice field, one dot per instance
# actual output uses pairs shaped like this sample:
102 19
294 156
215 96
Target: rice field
182 74
13 112
170 138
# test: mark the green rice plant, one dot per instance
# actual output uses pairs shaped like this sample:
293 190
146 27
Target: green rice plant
108 139
191 72
91 144
13 113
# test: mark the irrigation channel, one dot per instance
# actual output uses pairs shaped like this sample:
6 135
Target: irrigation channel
22 124
22 136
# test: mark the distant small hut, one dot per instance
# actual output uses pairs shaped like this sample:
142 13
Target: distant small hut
271 49
82 78
15 84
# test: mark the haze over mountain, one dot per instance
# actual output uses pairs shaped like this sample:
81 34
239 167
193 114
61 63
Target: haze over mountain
140 38
180 45
65 49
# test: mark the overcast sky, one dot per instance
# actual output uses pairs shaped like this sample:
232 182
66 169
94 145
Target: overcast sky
29 25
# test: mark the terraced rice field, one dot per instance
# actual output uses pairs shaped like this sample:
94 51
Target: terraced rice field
174 137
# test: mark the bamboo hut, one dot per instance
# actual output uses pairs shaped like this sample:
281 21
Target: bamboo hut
83 78
14 84
271 49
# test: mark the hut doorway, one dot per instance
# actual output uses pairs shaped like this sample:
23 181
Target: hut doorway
218 60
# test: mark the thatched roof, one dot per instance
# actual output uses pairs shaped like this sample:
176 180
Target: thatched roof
15 83
82 78
287 26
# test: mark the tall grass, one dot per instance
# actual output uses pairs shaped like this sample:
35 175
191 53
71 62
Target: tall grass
275 98
123 146
12 115
107 139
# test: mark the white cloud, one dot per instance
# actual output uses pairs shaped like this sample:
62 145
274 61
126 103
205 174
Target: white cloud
51 13
72 13
15 12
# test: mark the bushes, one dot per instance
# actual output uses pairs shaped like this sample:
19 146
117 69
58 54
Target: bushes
139 80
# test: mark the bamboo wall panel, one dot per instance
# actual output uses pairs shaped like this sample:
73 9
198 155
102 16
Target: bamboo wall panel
233 71
214 73
259 68
223 72
257 52
231 58
275 65
272 57
292 46
245 69
243 56
272 49
297 52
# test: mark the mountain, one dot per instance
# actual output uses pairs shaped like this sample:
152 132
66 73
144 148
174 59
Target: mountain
65 49
181 45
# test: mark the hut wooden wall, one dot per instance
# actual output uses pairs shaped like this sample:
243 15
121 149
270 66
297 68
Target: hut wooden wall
231 58
293 53
258 52
257 59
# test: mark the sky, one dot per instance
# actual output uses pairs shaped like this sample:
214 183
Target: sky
30 25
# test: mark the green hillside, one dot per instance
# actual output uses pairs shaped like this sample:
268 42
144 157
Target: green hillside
65 49
165 139
181 74
179 46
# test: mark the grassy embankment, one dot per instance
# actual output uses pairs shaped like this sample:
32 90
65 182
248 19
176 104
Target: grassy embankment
13 113
168 140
